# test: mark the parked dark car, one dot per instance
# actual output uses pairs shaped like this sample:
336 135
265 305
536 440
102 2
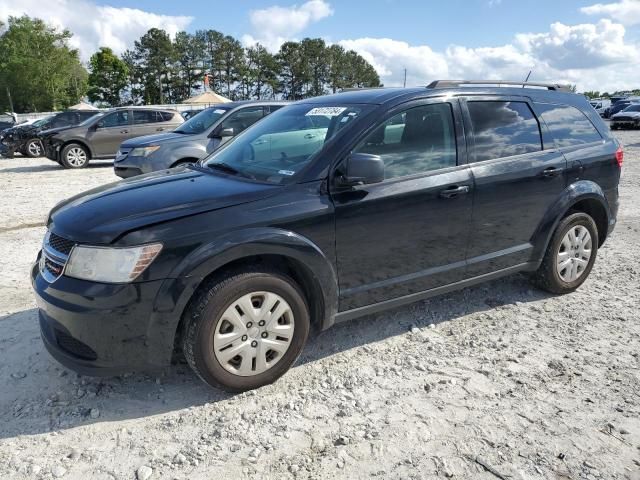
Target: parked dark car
627 118
619 106
100 136
23 138
191 141
408 193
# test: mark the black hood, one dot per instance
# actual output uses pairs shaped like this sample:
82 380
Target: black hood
155 139
101 215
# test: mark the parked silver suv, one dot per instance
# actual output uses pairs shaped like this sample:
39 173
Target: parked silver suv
195 139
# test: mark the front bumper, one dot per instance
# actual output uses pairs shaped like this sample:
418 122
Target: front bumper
625 123
126 172
100 329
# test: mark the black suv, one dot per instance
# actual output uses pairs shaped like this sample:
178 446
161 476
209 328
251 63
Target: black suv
328 209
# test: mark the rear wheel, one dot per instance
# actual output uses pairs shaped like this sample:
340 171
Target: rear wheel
569 256
74 155
246 330
33 148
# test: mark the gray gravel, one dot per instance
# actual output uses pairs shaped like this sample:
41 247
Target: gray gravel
496 381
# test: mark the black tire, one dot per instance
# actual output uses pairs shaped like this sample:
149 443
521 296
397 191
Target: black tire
206 310
67 162
184 161
31 146
547 277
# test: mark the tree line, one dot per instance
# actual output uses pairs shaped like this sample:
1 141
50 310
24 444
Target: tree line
39 71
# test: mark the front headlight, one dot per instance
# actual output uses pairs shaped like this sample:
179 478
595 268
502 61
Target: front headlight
144 151
110 265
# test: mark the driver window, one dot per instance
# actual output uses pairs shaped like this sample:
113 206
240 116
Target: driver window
243 119
417 140
115 119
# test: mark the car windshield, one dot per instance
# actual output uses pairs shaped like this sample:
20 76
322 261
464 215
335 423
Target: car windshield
279 146
42 121
632 108
202 121
91 119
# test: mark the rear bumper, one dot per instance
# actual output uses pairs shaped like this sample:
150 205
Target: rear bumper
100 329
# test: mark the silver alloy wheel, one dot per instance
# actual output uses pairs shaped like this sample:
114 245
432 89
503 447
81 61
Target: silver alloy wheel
76 157
253 334
574 253
35 149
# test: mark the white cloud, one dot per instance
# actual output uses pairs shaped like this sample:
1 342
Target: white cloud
275 25
92 25
593 56
626 12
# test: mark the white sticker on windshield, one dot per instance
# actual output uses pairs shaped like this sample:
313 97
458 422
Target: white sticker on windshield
219 110
327 111
286 172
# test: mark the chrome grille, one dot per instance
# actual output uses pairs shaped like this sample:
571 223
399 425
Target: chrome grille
54 256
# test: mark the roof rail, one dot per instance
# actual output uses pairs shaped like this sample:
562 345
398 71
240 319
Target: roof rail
507 83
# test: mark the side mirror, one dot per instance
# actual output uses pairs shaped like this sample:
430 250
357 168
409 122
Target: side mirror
95 126
363 169
219 132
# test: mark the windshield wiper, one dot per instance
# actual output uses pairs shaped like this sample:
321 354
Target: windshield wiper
224 167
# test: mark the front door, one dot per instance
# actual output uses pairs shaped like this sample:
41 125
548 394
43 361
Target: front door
109 133
408 233
517 179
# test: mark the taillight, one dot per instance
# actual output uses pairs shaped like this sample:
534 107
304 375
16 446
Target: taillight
619 156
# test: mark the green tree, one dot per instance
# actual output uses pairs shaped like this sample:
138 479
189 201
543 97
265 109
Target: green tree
316 66
189 51
293 72
108 78
151 67
231 65
38 67
259 75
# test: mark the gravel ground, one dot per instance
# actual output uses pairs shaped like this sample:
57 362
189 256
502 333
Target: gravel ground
497 381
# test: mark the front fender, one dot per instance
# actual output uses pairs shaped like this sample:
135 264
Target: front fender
574 193
176 291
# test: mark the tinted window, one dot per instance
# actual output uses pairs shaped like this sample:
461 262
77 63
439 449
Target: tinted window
64 120
503 129
417 140
142 117
568 125
243 119
164 116
116 119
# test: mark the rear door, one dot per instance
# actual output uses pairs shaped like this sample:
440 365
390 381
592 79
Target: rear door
517 178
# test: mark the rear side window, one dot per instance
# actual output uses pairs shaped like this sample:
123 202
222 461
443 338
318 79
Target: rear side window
164 116
503 129
568 125
141 117
417 140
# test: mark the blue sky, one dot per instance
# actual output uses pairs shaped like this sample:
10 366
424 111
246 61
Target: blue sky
593 43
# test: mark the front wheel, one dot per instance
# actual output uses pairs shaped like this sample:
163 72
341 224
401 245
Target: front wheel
74 155
246 330
33 148
569 256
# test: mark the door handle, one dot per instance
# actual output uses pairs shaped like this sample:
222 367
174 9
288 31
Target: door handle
260 142
159 129
124 131
551 172
454 191
309 135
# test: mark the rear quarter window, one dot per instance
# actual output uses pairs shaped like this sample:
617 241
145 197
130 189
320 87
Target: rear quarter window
567 125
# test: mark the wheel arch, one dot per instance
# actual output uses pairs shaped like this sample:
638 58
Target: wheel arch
286 251
81 142
583 196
